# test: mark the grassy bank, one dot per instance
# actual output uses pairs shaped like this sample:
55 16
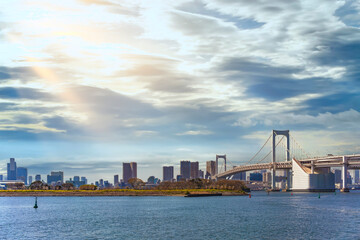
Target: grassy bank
115 192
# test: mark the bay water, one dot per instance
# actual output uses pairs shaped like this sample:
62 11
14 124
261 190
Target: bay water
263 216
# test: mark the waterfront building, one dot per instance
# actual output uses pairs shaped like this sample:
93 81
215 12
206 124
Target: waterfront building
30 180
210 169
356 177
201 174
84 179
116 180
76 182
21 174
194 170
185 167
179 178
55 177
256 177
129 171
37 177
11 169
151 180
101 182
337 174
168 173
107 184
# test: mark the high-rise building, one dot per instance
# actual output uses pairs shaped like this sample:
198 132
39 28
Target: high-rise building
194 170
55 177
256 176
210 169
37 177
133 166
356 177
84 179
11 169
30 180
185 167
129 171
201 174
76 178
116 180
21 174
179 178
1 177
168 173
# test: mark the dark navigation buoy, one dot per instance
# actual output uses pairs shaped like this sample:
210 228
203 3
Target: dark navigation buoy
35 206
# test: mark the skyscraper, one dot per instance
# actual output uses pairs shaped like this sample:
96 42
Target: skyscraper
116 180
84 179
133 166
129 171
55 177
30 180
185 167
21 174
201 174
194 170
1 177
210 169
37 177
356 177
168 173
11 169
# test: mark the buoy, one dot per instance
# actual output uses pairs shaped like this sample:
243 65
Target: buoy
291 194
35 206
319 195
249 195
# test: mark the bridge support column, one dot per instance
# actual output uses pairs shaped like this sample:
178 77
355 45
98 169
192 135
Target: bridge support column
312 167
273 176
288 179
344 175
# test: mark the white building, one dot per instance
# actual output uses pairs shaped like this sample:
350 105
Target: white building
321 180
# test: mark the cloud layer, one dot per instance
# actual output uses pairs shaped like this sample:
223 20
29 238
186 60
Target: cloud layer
156 77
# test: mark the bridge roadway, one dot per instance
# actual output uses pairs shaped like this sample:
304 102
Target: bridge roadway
351 162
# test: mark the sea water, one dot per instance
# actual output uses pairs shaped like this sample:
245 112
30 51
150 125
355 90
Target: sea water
263 216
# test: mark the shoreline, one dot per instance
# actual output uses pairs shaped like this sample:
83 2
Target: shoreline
108 193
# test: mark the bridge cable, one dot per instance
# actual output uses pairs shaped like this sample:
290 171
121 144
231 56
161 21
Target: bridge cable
259 150
271 150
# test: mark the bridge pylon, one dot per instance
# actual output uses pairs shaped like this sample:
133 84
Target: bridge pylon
287 135
217 162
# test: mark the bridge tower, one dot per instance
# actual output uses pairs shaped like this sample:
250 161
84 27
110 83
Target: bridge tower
286 134
216 164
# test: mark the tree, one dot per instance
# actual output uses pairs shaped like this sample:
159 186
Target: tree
38 185
136 183
67 186
88 187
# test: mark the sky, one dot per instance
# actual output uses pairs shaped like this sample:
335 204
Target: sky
86 85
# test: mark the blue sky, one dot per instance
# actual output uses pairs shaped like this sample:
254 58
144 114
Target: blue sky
88 84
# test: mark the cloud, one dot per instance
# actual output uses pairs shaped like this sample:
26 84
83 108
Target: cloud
195 133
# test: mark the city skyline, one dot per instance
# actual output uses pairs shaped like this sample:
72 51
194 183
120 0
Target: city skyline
90 84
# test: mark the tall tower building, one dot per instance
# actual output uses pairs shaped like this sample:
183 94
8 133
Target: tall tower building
37 177
129 171
11 169
185 167
21 174
116 180
133 166
30 180
194 170
210 169
168 173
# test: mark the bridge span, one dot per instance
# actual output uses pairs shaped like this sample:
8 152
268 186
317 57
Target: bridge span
345 162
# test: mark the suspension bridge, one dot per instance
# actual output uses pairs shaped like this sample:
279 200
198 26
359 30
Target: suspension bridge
276 154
